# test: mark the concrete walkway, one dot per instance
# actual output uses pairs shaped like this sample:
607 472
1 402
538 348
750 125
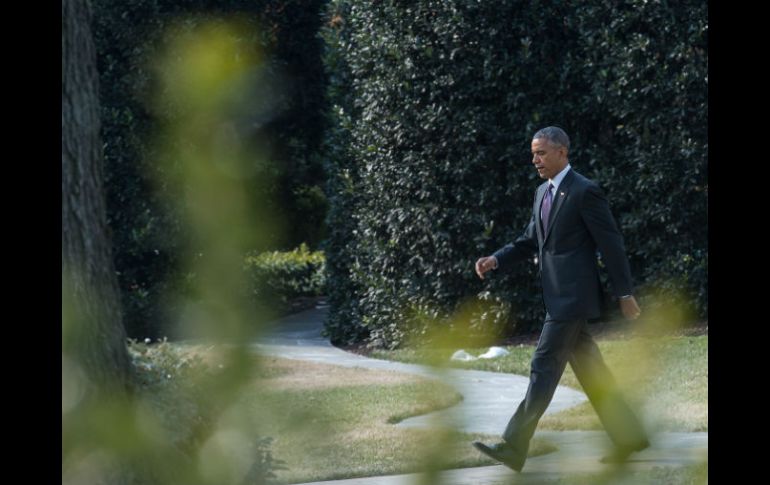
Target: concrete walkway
489 399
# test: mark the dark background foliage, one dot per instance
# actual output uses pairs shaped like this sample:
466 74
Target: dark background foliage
434 104
418 146
146 229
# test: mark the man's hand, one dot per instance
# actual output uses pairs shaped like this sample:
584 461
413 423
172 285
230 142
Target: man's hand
630 308
485 264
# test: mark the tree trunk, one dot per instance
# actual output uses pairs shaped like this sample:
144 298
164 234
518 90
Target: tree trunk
94 333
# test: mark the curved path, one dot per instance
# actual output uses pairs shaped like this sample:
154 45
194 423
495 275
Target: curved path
489 399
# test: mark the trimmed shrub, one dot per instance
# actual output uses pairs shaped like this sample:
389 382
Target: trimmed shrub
344 323
279 277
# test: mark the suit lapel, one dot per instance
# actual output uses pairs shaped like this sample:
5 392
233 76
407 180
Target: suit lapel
538 205
558 200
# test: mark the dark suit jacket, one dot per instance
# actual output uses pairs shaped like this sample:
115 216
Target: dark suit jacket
580 224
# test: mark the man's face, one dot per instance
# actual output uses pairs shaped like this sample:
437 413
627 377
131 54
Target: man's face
548 159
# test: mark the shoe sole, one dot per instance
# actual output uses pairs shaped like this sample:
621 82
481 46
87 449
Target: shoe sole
491 453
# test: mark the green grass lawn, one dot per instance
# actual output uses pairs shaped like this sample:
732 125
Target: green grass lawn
330 422
666 378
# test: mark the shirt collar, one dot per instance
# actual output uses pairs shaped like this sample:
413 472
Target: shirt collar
556 181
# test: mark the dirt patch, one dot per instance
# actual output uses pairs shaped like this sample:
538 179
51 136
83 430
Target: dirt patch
282 374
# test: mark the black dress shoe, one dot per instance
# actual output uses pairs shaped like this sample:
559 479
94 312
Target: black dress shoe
502 453
620 454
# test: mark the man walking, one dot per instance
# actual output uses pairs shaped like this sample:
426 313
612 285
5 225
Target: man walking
571 220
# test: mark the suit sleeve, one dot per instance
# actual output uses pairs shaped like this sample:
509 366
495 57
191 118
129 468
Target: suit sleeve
596 214
524 246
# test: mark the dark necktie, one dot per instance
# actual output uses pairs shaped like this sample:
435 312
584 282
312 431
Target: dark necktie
545 211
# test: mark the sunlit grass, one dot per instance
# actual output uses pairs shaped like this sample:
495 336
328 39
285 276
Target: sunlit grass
330 422
672 390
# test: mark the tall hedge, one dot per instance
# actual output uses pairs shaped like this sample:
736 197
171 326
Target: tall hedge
147 232
434 105
343 322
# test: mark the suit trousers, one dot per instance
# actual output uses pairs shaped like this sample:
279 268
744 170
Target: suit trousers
563 341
